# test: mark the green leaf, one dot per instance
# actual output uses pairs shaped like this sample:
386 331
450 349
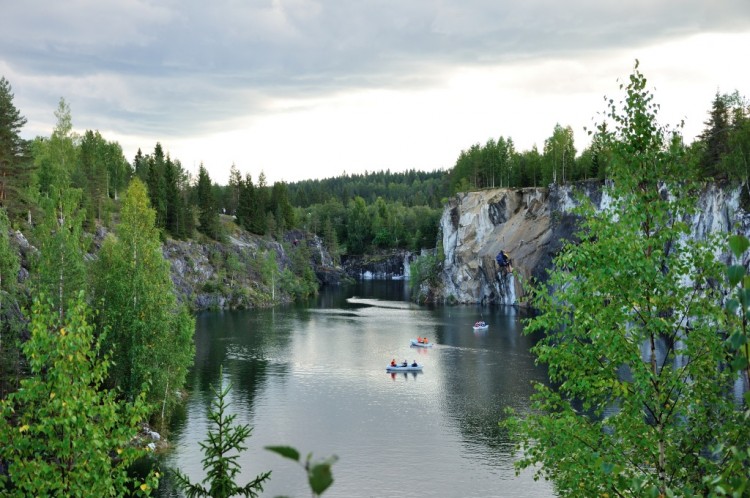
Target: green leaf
739 363
285 451
732 305
735 274
738 244
737 340
320 477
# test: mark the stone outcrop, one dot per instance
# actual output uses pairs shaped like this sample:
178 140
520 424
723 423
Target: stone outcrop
215 275
204 279
531 225
393 265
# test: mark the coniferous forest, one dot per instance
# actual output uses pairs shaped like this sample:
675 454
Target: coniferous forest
91 348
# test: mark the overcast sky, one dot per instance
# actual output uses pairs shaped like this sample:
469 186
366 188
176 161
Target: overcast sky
309 89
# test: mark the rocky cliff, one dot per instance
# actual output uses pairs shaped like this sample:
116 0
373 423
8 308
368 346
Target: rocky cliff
392 265
530 225
219 275
228 275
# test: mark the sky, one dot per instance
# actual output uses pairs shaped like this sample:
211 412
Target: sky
301 89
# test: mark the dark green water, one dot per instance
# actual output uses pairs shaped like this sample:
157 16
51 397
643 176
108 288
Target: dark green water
314 377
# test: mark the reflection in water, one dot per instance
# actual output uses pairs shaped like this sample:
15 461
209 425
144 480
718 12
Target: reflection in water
313 377
404 375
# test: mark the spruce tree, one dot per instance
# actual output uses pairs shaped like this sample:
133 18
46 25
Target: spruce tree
221 449
715 137
208 214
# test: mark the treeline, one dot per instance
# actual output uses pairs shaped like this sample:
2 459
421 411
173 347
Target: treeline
351 218
721 152
410 188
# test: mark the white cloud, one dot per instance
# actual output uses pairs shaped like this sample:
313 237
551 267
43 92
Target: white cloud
304 88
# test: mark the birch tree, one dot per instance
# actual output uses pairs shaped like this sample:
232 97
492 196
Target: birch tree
640 394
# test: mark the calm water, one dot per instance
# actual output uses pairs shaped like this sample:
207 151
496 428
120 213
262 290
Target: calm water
313 377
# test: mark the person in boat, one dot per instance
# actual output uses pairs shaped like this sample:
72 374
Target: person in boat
414 363
393 362
419 340
405 364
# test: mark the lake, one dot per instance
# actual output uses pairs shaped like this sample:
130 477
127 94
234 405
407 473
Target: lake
313 377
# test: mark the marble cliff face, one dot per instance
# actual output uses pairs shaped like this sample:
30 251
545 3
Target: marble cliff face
530 225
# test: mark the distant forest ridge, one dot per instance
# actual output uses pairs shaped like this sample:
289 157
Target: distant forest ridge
411 188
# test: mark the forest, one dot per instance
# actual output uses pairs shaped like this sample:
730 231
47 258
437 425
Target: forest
133 340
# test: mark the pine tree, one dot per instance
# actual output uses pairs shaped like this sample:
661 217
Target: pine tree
15 159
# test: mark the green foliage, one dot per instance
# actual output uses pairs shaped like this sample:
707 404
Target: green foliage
559 156
208 212
409 188
298 280
9 263
733 479
61 434
60 269
494 165
424 271
15 159
233 266
152 334
56 157
280 206
221 449
9 322
99 162
358 226
639 390
319 474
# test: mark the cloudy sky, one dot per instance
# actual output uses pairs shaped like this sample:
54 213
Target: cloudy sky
302 89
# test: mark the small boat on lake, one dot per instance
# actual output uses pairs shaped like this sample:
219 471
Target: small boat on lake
402 368
481 325
421 344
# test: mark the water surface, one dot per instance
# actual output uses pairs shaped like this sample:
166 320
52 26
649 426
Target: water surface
313 377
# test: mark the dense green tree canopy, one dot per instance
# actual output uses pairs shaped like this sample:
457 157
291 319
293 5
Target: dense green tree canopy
63 434
151 333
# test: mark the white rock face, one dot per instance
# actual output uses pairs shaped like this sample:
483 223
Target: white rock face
530 224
